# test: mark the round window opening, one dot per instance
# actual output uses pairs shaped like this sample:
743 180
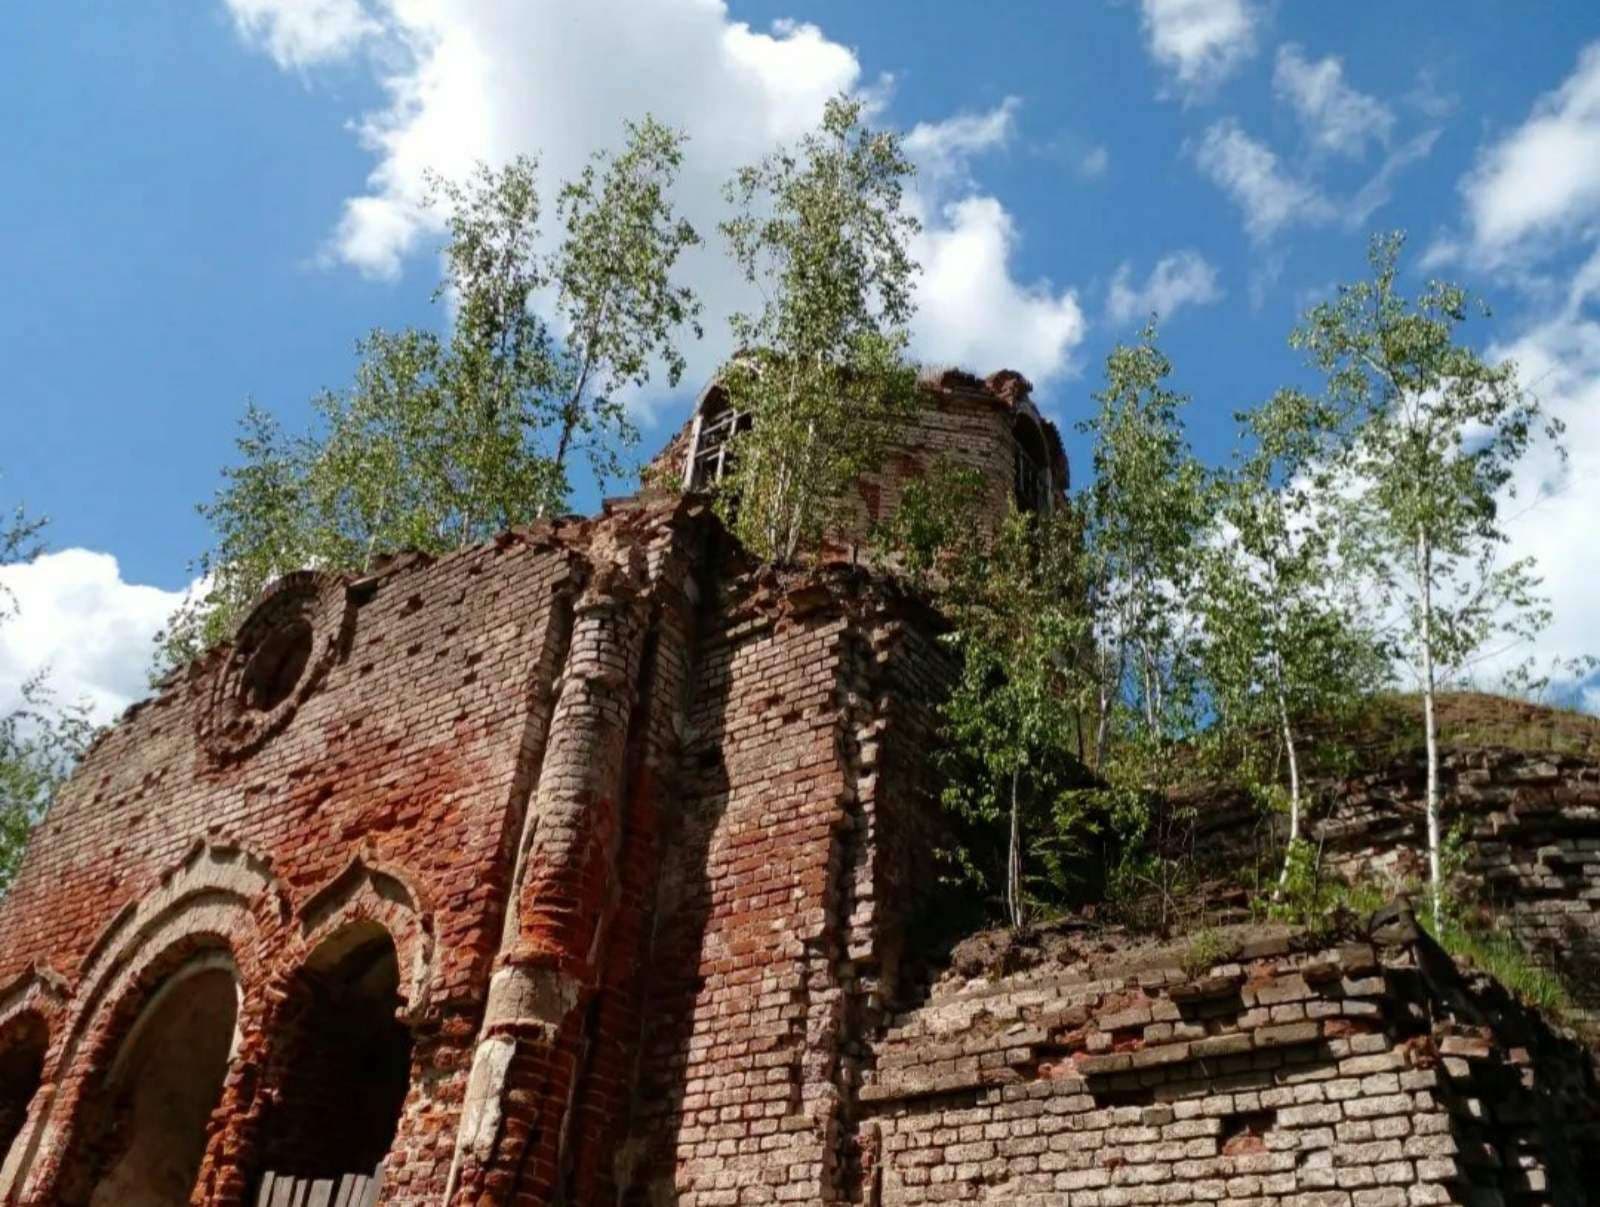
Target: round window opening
276 666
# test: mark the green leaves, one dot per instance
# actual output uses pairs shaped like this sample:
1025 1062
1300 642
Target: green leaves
441 442
821 368
39 739
1436 433
1144 515
1013 720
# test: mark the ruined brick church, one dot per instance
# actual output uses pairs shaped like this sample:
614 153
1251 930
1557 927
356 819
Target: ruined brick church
580 868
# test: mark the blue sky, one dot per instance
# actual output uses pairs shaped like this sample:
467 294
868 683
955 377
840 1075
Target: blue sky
209 202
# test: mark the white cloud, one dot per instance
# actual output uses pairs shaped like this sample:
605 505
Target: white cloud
303 33
77 619
1250 173
1271 196
1336 117
471 80
1095 163
1553 514
974 313
1541 182
943 149
1201 42
1181 279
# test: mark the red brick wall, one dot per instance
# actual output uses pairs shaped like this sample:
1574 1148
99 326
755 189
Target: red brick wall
414 753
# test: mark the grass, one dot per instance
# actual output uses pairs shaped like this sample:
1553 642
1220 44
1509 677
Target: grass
1207 948
1392 725
1502 957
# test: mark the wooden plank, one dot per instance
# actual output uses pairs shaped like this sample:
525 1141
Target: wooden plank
347 1185
358 1189
321 1193
302 1187
264 1195
375 1186
282 1189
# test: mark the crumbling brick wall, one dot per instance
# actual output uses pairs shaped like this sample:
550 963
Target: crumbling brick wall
782 891
1330 1076
1530 822
387 786
964 420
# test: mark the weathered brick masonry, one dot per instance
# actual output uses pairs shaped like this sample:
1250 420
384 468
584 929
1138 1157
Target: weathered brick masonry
577 868
1360 1074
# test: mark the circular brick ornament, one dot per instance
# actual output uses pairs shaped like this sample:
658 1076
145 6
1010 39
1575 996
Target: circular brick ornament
280 656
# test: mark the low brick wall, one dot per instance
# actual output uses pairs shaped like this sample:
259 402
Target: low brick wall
1532 854
1346 1076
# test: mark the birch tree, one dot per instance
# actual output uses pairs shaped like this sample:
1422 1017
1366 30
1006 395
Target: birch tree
40 740
821 232
1286 635
1143 519
443 440
1439 437
1012 717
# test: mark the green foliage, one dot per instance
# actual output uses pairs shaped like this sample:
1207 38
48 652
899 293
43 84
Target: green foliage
1437 432
444 441
821 368
1143 520
1501 956
1207 948
39 739
1012 720
933 526
1286 636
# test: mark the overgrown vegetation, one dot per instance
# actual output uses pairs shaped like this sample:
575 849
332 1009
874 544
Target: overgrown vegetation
40 738
1238 626
821 370
443 441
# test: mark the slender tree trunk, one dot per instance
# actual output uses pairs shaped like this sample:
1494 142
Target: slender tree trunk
1014 857
1294 782
1430 727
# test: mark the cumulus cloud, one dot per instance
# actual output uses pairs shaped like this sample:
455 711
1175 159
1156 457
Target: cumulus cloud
1201 42
471 80
1552 515
1336 117
1271 196
77 619
1541 182
1095 163
1182 279
974 313
1249 172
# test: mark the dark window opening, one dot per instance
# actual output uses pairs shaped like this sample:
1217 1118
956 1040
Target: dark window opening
143 1130
22 1048
1031 481
1245 1134
343 1064
276 666
711 453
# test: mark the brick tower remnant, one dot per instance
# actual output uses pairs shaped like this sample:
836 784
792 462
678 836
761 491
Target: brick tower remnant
576 868
491 877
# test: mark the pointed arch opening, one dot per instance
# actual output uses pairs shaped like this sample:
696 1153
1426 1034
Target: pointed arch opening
342 1065
23 1044
144 1126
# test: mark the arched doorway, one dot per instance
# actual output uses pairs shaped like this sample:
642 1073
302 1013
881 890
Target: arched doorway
142 1130
23 1044
343 1063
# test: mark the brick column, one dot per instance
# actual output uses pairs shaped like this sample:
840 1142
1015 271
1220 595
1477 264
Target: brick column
533 1036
